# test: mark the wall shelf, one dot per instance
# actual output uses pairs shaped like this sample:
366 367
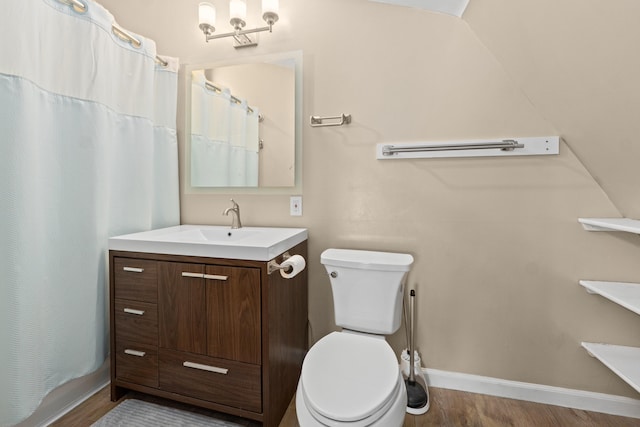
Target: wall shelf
623 361
611 224
622 293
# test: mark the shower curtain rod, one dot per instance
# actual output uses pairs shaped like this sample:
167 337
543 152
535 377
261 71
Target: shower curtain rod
215 88
128 37
124 35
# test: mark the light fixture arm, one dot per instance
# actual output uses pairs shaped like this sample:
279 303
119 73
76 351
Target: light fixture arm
238 33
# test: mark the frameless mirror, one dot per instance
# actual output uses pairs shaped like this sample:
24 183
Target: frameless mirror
243 122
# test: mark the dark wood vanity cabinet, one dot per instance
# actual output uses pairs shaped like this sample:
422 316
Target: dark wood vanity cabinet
217 333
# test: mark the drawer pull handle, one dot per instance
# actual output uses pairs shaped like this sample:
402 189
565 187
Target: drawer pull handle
134 352
134 311
187 274
205 367
215 277
133 269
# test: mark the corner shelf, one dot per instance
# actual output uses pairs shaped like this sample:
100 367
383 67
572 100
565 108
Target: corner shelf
623 361
611 224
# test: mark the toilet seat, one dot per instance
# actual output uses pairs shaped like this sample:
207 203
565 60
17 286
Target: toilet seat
350 378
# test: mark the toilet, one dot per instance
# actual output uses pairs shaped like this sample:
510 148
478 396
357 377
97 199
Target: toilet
352 377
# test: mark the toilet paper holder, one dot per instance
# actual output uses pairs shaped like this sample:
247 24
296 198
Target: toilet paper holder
274 266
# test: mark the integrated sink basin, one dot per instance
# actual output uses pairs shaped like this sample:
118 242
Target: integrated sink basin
249 243
214 235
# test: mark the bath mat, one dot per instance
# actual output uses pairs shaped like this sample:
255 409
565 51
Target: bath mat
136 413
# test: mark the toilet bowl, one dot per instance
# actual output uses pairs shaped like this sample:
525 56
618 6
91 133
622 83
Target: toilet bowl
352 377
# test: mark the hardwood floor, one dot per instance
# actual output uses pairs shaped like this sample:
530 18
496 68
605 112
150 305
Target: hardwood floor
449 408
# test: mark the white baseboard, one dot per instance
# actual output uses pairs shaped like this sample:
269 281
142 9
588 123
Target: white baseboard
568 398
66 397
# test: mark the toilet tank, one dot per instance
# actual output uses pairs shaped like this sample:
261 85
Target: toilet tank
367 288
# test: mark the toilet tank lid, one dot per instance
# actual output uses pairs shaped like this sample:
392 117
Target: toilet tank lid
367 260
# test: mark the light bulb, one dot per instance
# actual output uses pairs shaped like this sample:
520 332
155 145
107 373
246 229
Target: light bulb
238 9
270 11
270 6
207 14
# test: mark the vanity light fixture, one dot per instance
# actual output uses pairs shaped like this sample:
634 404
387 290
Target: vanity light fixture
237 14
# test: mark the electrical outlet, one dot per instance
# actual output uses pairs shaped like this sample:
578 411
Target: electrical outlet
295 205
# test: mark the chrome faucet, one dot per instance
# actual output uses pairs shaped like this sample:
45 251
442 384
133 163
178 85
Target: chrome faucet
236 215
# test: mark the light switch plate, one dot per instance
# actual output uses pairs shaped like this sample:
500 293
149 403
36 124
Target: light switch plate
295 205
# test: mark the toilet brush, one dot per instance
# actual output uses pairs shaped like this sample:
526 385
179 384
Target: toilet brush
416 394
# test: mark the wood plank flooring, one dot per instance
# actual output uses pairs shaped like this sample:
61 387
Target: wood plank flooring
449 408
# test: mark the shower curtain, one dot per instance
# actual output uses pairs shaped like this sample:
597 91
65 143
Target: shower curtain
88 150
224 138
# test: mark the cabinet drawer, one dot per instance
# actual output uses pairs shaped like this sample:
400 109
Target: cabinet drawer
137 363
135 279
136 322
217 380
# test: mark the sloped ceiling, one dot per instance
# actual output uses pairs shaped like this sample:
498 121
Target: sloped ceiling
451 7
579 64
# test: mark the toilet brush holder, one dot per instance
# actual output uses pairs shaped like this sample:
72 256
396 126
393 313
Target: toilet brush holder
418 376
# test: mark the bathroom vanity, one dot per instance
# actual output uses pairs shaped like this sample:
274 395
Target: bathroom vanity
227 333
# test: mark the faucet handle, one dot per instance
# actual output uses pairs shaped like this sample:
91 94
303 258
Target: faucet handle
235 205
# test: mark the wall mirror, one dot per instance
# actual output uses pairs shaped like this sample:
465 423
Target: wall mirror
243 125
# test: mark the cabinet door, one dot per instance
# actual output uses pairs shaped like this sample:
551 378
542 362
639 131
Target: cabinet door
233 313
182 307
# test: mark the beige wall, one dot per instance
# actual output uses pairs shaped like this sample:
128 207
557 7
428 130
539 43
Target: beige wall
578 63
497 245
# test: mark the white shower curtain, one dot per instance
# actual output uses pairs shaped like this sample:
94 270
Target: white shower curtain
209 134
88 150
224 138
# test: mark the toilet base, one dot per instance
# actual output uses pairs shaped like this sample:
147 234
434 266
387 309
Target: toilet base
393 418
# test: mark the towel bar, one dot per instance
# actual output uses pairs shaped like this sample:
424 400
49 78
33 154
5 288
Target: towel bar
317 121
543 145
